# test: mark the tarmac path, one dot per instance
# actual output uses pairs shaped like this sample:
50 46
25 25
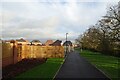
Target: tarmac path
77 67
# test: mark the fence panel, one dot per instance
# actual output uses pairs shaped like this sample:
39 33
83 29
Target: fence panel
15 53
7 54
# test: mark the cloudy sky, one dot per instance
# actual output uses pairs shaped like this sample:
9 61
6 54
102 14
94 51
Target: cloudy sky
49 19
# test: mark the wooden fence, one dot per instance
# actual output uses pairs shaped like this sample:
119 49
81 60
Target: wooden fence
13 53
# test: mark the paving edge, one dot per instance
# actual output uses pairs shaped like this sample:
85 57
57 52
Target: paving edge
97 68
59 68
101 71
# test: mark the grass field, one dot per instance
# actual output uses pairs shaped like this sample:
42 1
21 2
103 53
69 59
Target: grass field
107 64
44 71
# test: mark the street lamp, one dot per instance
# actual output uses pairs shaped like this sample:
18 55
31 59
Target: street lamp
66 44
66 36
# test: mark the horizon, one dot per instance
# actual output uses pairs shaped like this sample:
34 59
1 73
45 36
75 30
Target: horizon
41 40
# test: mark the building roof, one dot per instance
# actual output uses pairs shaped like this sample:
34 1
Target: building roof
36 41
48 42
67 43
57 43
21 40
8 41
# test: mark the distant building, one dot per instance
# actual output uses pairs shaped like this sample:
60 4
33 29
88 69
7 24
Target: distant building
67 43
7 41
56 43
48 42
22 41
68 46
36 42
75 45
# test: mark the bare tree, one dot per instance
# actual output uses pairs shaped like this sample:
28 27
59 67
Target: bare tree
112 19
104 36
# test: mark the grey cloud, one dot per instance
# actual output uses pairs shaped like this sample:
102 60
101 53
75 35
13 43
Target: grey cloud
43 21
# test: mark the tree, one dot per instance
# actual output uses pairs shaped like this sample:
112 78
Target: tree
105 35
112 19
91 39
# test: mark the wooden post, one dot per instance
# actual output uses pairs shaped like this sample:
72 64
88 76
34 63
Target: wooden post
14 51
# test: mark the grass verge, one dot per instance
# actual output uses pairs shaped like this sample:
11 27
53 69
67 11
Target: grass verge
108 64
45 71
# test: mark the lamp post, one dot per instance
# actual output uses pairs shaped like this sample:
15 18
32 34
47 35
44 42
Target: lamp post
66 44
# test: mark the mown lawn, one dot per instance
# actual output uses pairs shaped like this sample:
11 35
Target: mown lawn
107 64
44 71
